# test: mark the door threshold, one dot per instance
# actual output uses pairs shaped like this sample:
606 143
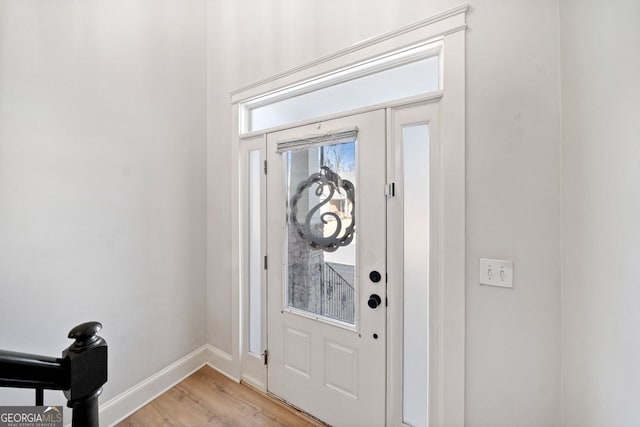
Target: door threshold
283 403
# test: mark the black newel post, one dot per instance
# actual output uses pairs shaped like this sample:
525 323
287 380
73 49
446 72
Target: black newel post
87 362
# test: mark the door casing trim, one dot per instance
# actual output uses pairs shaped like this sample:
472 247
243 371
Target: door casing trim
450 27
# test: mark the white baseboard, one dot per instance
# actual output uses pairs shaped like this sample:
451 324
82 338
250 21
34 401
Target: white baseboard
255 383
221 362
126 403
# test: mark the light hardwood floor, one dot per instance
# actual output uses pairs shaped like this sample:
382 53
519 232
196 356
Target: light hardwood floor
208 398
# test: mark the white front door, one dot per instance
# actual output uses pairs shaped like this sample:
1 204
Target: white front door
326 214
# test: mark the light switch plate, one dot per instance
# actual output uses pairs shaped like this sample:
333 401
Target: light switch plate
496 272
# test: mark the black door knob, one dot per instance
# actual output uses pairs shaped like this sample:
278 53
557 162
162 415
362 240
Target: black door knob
374 301
375 277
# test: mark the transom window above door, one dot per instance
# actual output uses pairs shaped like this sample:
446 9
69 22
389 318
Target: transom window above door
404 73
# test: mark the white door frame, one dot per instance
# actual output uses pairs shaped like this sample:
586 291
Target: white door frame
448 28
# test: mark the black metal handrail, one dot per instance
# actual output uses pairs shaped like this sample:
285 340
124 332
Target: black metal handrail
337 294
80 373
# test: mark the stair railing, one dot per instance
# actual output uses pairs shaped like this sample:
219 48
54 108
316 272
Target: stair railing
80 373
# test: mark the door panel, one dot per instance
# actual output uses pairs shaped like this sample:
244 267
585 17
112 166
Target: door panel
326 225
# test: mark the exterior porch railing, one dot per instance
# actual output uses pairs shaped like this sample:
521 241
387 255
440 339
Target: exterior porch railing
337 295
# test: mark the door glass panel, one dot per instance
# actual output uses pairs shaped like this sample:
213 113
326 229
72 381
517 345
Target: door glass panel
255 259
320 233
415 169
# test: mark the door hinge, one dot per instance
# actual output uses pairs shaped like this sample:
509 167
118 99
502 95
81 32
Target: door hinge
266 357
390 190
265 167
265 262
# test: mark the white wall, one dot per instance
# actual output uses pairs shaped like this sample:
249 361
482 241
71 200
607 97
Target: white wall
601 214
102 180
102 175
513 199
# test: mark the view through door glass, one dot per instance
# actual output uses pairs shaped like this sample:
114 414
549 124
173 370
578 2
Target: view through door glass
320 237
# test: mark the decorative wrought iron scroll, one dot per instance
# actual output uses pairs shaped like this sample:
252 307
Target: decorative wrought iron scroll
325 179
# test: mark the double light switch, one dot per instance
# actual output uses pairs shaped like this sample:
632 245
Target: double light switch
496 272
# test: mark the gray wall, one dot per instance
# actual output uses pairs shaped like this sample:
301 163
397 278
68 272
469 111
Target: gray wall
601 214
102 180
513 166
